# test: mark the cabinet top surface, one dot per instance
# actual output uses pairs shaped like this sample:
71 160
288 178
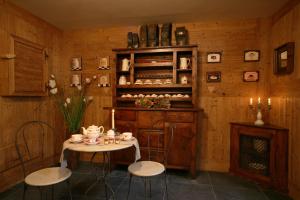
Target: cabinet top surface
154 48
265 126
156 109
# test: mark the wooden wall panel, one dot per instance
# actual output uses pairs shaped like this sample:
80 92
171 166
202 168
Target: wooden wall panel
285 91
14 111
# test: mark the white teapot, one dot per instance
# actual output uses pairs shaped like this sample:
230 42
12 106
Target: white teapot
93 131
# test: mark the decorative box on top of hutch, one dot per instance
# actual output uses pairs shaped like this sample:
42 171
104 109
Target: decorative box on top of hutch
260 153
160 64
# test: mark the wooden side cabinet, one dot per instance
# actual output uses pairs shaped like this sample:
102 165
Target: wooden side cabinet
260 153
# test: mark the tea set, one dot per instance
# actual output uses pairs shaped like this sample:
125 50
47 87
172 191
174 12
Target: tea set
95 134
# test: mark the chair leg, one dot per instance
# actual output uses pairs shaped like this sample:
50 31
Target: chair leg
69 189
130 178
145 187
150 187
166 186
41 194
52 192
24 191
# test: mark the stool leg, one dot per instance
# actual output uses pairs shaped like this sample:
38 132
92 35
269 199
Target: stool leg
130 178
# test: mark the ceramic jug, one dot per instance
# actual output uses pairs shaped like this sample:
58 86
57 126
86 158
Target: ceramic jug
184 80
125 64
184 63
122 80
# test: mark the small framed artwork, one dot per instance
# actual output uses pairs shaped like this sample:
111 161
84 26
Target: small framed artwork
104 63
284 59
251 55
214 57
76 63
104 80
75 80
251 76
213 76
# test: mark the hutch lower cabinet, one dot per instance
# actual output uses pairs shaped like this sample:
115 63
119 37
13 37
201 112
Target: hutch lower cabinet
182 153
260 153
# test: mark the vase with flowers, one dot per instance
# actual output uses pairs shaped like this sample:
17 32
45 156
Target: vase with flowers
73 104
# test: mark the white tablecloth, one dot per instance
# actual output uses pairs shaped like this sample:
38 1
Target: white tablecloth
81 147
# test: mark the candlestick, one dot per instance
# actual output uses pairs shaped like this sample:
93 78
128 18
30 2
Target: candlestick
251 101
113 119
259 100
269 101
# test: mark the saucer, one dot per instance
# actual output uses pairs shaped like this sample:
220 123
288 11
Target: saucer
75 141
86 141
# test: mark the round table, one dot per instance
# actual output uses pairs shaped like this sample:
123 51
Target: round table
105 149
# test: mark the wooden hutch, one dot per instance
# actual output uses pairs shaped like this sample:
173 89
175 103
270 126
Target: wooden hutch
156 73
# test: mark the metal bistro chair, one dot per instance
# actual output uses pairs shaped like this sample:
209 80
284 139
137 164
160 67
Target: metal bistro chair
149 168
29 142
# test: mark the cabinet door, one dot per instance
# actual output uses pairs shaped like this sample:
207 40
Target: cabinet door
182 151
125 156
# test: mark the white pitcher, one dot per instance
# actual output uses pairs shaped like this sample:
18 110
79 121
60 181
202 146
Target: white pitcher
184 63
125 64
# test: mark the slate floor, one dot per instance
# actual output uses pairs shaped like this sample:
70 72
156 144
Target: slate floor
207 186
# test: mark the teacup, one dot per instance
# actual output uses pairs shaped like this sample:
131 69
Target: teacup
127 135
76 137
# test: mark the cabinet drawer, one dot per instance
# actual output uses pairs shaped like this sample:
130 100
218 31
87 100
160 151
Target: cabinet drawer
127 115
180 116
151 119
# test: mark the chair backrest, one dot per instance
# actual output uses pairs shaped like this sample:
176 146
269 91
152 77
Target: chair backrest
153 140
30 141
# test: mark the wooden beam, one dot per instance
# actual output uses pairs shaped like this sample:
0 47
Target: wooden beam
284 10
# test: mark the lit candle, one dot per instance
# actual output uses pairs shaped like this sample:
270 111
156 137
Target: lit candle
113 119
269 101
251 101
258 100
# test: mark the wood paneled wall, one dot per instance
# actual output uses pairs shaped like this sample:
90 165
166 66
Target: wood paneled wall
222 102
16 110
285 92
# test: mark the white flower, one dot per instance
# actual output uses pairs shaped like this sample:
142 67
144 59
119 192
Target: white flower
53 91
52 76
90 98
65 104
68 100
88 80
94 77
79 87
84 100
52 83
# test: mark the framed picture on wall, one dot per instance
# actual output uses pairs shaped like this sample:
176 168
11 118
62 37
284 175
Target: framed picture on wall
251 76
76 63
213 76
214 57
251 55
103 63
75 80
284 59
